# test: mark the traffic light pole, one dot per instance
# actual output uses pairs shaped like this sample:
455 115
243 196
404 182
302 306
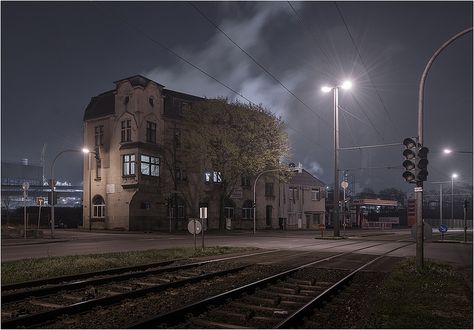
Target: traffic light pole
419 193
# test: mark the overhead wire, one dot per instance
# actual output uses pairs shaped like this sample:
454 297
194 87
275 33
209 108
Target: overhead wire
162 45
364 65
255 61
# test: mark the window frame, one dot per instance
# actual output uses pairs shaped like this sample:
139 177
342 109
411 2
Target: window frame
151 132
126 130
129 165
150 165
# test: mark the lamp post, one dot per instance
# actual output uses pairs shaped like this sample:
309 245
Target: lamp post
454 176
53 184
335 89
89 152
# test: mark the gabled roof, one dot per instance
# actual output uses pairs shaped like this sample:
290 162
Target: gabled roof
101 105
306 179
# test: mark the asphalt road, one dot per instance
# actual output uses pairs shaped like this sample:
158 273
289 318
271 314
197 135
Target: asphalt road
75 242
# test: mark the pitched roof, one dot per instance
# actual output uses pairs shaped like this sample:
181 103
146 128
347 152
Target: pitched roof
101 105
306 179
138 80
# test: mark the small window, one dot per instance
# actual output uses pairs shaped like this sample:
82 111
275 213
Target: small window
269 189
99 135
245 180
127 99
315 194
212 176
126 133
151 101
150 132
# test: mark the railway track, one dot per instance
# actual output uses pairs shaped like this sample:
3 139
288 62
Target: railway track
278 301
36 303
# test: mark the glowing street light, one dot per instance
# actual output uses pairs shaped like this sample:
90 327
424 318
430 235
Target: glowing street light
326 89
447 151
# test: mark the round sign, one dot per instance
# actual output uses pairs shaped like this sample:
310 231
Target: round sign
443 229
194 225
26 185
344 184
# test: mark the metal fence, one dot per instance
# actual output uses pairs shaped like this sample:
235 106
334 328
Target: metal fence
451 223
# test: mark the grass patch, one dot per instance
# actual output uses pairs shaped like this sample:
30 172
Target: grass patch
33 269
433 298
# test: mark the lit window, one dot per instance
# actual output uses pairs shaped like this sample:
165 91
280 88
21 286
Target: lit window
128 162
150 165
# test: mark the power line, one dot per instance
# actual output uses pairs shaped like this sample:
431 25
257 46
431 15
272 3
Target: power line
199 69
255 61
365 67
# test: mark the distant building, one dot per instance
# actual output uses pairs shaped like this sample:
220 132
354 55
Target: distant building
139 181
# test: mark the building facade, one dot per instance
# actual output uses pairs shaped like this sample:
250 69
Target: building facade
136 178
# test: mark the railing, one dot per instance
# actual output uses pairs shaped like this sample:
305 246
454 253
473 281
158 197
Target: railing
451 223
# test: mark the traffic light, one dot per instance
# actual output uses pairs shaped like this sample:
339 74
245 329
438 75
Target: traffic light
422 164
416 161
410 160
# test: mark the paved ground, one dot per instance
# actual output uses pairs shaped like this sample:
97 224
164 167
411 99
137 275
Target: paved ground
74 242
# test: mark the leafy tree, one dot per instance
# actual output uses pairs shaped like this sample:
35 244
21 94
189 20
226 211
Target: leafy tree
233 139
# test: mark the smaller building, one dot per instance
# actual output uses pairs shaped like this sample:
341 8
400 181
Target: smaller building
303 201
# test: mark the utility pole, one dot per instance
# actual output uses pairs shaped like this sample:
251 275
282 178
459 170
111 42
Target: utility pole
419 192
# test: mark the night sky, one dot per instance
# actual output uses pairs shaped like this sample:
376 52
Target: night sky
57 55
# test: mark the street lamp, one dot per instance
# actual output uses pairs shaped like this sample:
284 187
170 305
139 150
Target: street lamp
254 197
447 151
453 176
53 185
326 89
89 152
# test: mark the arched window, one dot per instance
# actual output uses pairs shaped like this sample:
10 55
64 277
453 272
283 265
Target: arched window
98 207
247 210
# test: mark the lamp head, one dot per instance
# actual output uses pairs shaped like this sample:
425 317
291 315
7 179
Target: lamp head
326 89
454 175
447 151
85 150
346 85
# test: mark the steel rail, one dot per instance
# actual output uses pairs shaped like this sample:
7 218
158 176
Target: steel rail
295 318
176 315
42 317
15 296
66 278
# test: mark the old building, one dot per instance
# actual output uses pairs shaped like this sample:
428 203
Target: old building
137 179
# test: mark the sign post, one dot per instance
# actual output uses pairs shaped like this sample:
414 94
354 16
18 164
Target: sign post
194 227
322 227
442 229
39 202
203 216
25 187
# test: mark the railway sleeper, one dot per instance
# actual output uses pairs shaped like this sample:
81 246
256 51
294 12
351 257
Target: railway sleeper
263 301
300 281
303 286
44 304
214 325
229 315
280 289
256 307
284 295
71 297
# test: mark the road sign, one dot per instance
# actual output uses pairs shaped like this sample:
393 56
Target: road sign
194 226
443 228
203 212
26 185
344 184
418 189
40 201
